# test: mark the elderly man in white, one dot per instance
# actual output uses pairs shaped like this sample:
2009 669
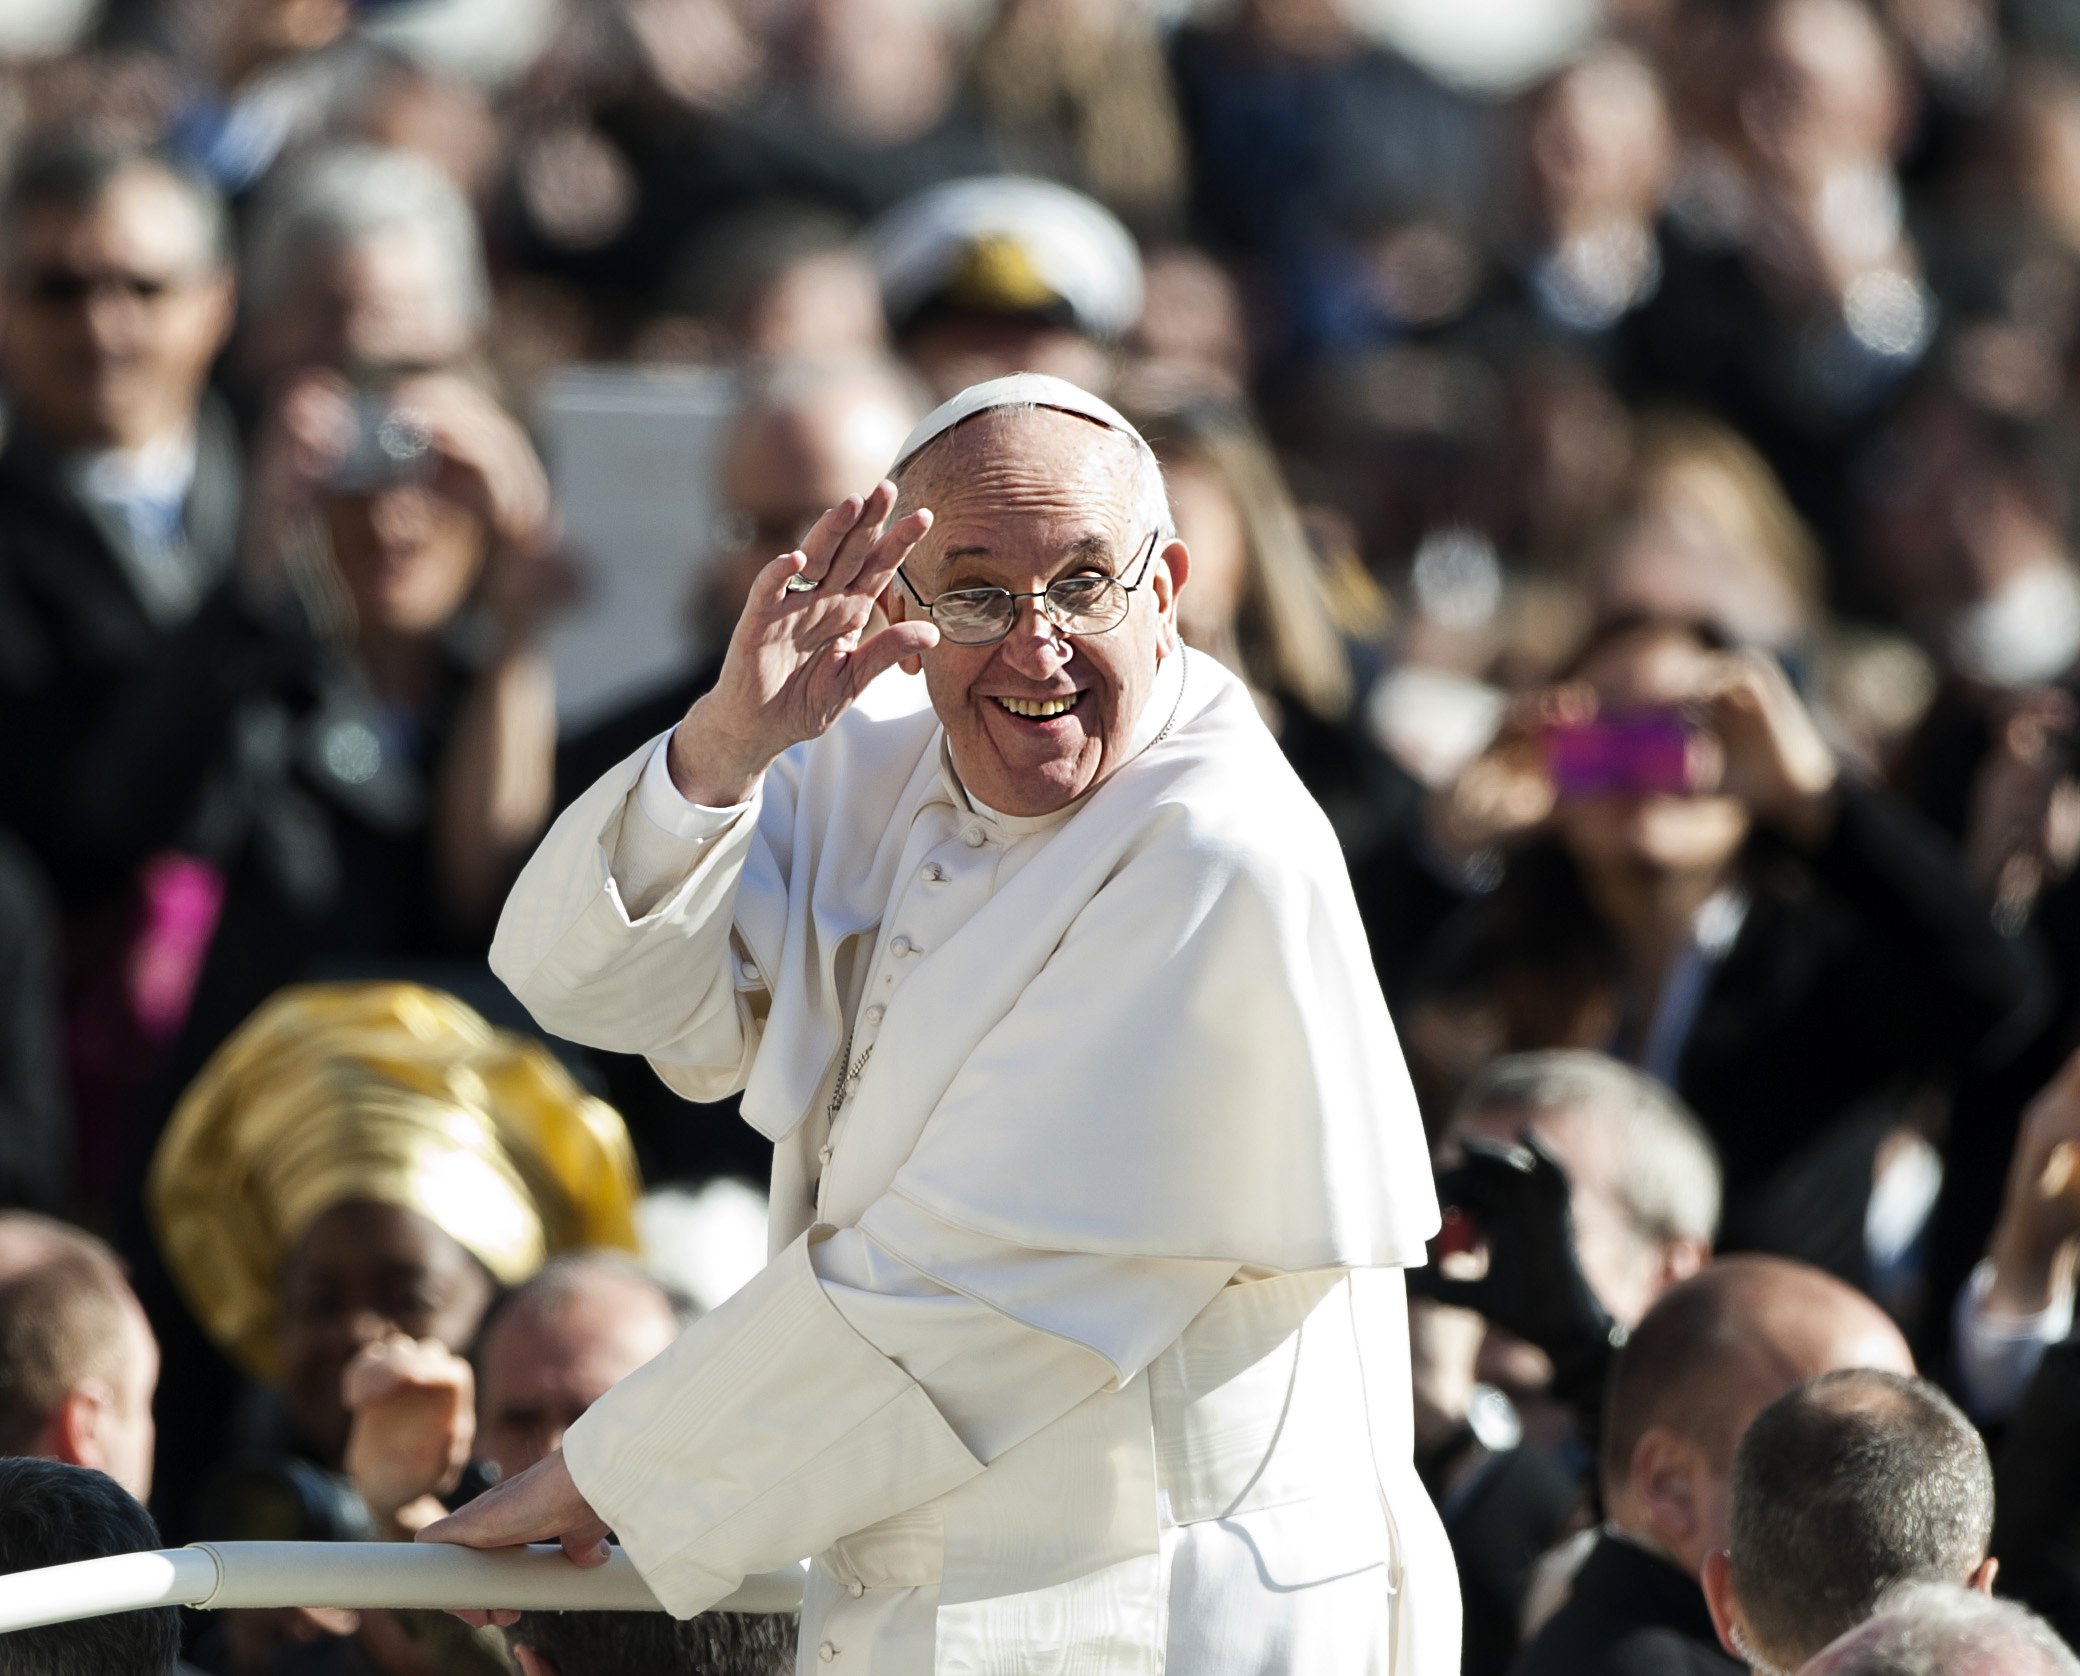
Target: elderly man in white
1082 1347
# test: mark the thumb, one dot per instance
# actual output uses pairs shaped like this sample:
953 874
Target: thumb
886 649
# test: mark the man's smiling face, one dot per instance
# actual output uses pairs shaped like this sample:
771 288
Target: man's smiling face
1020 499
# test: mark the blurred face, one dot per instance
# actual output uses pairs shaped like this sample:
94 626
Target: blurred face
1021 500
1822 90
957 350
408 557
543 1367
362 1271
385 300
1656 833
1600 142
133 1434
786 466
112 316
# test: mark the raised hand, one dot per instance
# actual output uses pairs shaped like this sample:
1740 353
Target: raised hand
800 654
413 1403
1775 759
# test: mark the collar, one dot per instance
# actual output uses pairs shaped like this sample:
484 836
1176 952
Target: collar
1158 715
160 472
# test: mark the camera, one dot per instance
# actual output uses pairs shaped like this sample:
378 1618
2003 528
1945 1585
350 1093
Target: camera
389 450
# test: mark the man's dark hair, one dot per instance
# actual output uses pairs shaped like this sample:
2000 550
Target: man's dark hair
53 1514
621 1643
1843 1487
61 1322
70 172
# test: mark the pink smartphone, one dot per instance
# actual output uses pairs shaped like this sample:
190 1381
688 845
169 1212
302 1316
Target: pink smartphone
1629 755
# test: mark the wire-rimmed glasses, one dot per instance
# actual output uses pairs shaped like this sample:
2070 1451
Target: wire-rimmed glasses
1086 603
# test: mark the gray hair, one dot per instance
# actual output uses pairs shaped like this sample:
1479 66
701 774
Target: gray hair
562 1280
1946 1629
1148 497
53 1514
337 197
1845 1486
1670 1182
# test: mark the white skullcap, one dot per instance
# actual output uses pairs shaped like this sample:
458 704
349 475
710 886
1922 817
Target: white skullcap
1011 244
1018 389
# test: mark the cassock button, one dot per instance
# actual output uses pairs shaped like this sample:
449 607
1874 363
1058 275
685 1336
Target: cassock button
875 1013
972 837
899 946
855 1588
933 873
826 1652
823 1155
748 967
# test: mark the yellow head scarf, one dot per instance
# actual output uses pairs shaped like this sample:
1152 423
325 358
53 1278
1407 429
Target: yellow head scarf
387 1092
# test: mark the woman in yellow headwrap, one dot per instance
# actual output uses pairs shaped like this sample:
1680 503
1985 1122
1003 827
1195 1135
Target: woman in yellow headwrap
362 1160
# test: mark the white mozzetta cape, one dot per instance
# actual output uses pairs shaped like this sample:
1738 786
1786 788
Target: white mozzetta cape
1141 1107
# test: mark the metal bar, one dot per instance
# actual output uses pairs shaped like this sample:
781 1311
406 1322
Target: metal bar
220 1575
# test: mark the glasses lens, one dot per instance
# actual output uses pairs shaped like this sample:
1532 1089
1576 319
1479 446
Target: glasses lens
1087 604
970 616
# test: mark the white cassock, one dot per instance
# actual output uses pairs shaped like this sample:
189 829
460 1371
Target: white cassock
1083 1345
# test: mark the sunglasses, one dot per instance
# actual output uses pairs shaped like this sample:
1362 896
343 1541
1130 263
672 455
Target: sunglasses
69 288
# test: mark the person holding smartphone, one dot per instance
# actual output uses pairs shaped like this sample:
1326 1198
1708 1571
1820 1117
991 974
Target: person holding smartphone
1691 880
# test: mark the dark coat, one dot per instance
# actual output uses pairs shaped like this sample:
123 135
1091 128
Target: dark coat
75 624
1631 1614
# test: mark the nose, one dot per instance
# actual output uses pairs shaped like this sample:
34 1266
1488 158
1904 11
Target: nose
1036 645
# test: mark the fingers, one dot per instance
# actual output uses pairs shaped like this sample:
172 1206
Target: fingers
879 567
835 541
887 649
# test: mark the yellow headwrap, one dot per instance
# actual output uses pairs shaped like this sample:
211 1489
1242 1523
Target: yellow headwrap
386 1092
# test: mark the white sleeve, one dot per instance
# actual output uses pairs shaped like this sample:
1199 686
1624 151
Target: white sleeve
844 1385
1998 1354
618 932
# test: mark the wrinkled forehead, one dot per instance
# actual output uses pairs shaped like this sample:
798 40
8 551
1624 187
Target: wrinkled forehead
1023 478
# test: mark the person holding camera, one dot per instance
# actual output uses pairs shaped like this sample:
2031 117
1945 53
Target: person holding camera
1690 880
370 691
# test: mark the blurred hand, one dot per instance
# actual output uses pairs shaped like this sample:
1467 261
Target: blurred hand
413 1409
1505 794
485 459
2040 1216
797 660
2023 828
542 1504
1773 757
1511 1202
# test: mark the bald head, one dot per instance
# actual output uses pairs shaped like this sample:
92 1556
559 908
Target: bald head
1703 1363
78 1361
555 1346
806 434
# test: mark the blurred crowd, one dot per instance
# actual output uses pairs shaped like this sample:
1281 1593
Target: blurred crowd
1629 450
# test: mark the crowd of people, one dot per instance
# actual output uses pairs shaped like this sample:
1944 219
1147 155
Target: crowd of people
1630 459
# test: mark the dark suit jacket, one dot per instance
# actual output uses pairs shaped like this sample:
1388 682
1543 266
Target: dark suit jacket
73 627
1631 1614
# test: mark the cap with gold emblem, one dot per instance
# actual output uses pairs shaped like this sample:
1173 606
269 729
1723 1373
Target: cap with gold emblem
1007 244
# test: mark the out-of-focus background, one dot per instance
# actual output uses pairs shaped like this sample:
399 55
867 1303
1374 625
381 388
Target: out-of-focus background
1585 415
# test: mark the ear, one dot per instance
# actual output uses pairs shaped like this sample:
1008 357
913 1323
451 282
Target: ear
1981 1581
531 1662
76 1432
1665 1473
1172 568
1717 1580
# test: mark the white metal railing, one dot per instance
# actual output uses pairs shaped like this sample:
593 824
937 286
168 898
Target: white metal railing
222 1575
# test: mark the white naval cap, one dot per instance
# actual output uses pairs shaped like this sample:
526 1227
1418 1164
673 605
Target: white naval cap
1018 389
1009 243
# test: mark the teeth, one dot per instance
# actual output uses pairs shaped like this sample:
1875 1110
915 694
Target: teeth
1039 709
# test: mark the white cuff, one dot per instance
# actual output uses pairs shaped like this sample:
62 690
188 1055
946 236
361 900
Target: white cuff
1996 1355
668 809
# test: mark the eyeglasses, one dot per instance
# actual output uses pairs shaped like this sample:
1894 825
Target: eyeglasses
1080 604
69 288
